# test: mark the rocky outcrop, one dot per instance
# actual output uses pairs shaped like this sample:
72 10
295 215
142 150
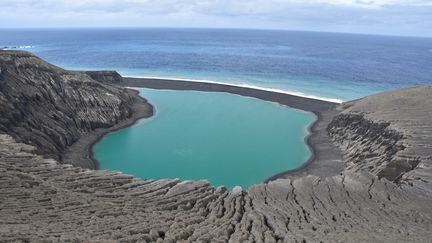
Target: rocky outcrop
44 200
389 135
110 77
371 146
50 108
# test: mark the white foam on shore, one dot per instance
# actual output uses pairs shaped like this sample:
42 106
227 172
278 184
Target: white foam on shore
249 86
17 47
25 47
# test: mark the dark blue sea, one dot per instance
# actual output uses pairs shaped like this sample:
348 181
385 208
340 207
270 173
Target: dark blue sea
327 65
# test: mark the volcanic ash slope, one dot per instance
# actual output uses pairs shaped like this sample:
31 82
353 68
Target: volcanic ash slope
383 194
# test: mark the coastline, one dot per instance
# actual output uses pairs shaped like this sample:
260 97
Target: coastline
298 102
325 159
238 85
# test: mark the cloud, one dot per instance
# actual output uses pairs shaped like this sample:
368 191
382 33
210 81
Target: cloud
405 17
158 6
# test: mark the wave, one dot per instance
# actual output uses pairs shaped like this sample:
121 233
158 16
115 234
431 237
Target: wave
245 85
25 47
17 47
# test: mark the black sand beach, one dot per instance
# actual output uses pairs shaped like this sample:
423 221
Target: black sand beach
297 102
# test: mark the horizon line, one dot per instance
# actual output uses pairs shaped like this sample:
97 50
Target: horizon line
207 28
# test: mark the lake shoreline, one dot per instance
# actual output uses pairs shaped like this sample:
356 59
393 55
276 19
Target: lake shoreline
320 145
81 152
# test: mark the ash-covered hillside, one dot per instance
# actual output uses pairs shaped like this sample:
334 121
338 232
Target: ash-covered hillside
383 194
50 108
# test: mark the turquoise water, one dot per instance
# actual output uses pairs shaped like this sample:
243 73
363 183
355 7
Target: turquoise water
227 139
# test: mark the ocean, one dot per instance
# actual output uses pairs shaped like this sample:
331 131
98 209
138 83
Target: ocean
330 66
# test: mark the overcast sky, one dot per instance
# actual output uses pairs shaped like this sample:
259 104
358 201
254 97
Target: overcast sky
394 17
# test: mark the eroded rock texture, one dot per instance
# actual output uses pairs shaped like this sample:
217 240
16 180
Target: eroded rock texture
43 200
389 135
49 107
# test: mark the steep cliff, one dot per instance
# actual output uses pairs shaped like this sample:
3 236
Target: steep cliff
381 195
49 107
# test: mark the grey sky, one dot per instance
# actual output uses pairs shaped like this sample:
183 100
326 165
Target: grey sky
396 17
